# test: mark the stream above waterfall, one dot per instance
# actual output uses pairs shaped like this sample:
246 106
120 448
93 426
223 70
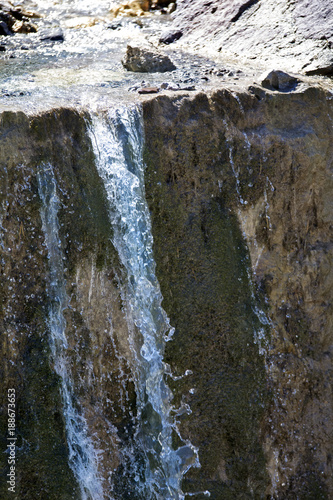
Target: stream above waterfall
86 65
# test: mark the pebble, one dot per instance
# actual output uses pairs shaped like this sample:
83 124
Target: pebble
148 90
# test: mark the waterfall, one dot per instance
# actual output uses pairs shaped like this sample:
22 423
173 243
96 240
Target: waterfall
117 138
82 455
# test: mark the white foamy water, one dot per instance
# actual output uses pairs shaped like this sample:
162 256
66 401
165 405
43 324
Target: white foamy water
83 457
117 138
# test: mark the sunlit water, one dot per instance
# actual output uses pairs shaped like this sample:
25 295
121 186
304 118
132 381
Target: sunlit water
37 74
82 455
89 56
117 138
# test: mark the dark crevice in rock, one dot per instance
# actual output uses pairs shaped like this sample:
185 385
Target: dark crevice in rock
243 8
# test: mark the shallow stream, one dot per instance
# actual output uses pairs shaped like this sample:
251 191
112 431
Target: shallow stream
86 65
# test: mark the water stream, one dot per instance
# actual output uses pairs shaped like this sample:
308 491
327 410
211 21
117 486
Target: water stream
82 455
118 142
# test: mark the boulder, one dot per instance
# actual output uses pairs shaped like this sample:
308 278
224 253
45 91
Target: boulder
146 59
279 80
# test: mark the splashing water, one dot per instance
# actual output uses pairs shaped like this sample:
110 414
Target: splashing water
117 139
83 457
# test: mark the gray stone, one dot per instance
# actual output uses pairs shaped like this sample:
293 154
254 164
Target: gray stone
148 90
52 35
279 80
4 30
146 59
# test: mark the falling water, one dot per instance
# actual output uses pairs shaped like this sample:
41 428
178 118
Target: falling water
117 138
82 455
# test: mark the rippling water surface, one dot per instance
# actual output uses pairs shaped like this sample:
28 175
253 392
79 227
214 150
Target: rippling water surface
86 65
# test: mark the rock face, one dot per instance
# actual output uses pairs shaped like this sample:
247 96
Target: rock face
239 189
95 357
295 36
146 59
259 390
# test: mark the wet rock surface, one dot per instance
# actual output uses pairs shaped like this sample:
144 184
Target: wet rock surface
42 449
218 165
